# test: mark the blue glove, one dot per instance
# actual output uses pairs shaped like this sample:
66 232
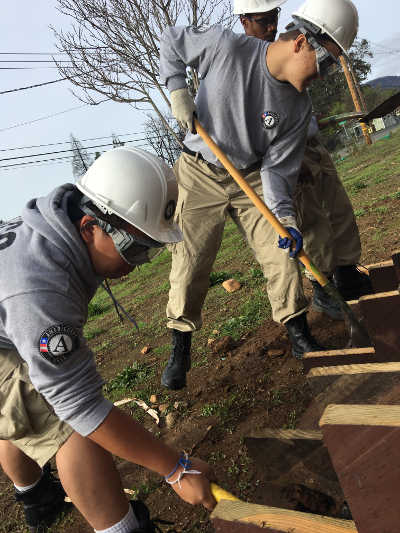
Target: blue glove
285 242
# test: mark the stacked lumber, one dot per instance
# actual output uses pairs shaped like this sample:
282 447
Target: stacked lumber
348 441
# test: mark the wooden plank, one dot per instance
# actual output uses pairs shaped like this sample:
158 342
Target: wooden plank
229 517
396 263
286 434
383 276
381 313
339 357
364 383
363 442
295 471
277 453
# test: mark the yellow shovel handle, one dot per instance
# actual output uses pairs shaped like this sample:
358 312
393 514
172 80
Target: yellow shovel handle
237 176
222 494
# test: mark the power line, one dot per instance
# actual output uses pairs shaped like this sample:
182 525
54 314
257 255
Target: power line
67 142
64 158
55 152
53 53
72 149
49 116
32 86
25 68
34 61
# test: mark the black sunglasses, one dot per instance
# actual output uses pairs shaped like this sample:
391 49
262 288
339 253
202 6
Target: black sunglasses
267 20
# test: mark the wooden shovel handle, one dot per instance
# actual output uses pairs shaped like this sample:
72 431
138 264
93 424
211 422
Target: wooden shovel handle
251 193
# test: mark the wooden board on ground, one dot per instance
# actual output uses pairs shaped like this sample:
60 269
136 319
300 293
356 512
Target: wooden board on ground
375 383
294 471
240 517
396 263
381 314
363 441
338 357
383 276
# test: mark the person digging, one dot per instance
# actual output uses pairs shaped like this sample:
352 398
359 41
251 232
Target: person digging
252 100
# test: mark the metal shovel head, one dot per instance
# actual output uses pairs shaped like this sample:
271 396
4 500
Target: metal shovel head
386 107
359 337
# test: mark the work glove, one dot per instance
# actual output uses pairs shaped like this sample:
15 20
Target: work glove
183 107
296 241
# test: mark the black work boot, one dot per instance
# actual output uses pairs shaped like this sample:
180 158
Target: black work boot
300 336
146 525
44 503
174 375
351 283
322 302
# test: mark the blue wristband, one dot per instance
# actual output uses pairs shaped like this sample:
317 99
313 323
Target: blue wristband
182 461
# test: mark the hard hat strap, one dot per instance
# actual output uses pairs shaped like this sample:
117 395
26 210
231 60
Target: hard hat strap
327 63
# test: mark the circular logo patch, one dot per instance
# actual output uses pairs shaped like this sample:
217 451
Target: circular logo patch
269 119
170 209
57 343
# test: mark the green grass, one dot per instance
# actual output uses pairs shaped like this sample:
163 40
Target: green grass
252 313
128 380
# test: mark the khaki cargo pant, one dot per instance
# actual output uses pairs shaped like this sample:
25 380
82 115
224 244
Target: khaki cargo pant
325 213
207 196
26 419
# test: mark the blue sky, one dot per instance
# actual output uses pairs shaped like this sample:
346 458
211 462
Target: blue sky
25 28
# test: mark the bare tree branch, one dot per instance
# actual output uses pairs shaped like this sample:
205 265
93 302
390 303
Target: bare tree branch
113 48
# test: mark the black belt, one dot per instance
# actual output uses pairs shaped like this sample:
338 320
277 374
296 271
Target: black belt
194 154
251 168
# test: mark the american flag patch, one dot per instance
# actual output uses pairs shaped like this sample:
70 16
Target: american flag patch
43 344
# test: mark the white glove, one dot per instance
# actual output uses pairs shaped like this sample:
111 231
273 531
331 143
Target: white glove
183 107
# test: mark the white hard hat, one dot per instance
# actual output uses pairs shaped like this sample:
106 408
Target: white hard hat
241 7
137 187
336 18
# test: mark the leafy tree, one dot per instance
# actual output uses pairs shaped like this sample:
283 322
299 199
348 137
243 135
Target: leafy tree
331 96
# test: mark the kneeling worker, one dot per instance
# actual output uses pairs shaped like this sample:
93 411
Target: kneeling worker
53 259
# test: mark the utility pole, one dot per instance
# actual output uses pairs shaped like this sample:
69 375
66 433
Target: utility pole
355 96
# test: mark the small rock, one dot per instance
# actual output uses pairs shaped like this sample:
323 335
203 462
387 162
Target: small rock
210 341
231 285
215 331
275 353
153 398
170 420
145 349
163 407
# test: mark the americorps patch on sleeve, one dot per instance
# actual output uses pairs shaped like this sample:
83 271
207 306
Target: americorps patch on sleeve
57 343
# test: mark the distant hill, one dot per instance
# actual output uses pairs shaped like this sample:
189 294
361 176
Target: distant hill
385 82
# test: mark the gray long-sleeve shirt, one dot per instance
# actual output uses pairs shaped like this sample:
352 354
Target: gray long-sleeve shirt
247 112
46 283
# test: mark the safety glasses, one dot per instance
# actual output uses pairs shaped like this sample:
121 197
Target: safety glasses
132 248
268 20
327 63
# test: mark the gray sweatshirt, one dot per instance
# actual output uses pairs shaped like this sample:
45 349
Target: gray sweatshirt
248 113
46 283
